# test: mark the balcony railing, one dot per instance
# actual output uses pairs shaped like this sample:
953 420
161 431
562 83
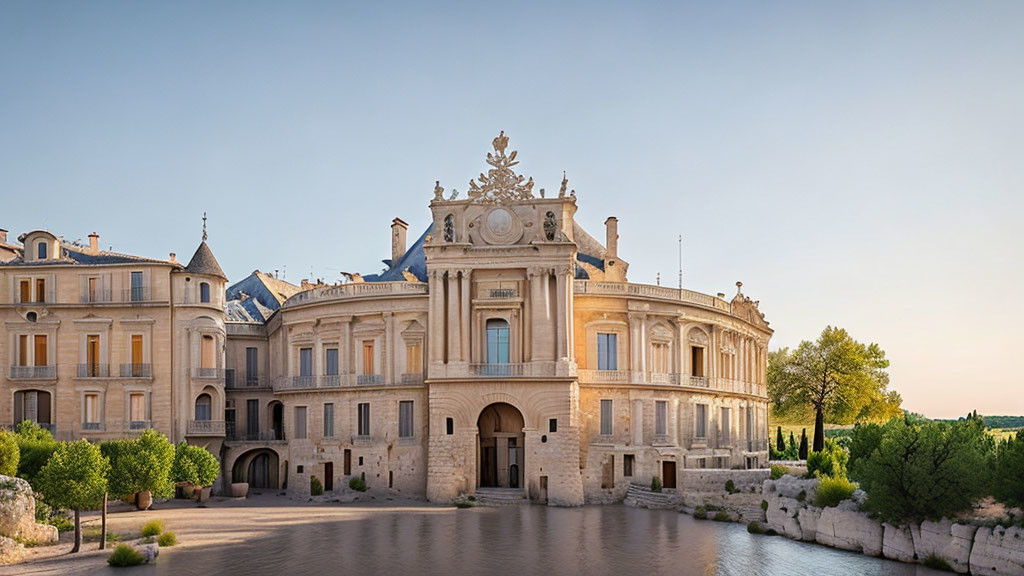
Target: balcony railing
92 426
370 380
205 428
139 425
356 290
93 371
648 291
697 381
232 435
606 376
136 294
496 370
233 382
33 372
208 373
330 381
136 370
670 379
95 296
300 382
412 378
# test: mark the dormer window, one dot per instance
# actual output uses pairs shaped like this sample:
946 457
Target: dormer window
41 250
204 292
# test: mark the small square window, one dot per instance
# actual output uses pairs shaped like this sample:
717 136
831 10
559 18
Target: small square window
298 469
449 425
553 425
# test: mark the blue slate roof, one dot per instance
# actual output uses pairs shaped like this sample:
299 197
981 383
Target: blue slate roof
414 260
76 255
265 294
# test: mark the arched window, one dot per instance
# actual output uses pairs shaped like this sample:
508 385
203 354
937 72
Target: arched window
41 250
449 228
550 226
497 341
203 407
204 292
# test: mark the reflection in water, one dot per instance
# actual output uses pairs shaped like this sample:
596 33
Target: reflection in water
522 540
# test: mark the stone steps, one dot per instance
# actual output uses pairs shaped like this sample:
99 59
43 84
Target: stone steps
641 497
501 497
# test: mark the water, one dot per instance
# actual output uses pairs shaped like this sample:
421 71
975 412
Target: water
522 540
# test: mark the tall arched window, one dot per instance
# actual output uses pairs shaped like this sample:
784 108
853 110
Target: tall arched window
449 228
497 341
204 292
203 407
41 250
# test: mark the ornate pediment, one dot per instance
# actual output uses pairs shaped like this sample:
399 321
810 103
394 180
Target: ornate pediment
747 309
501 183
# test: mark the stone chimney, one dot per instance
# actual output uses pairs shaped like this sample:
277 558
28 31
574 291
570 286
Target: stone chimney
398 229
612 240
3 235
94 243
174 257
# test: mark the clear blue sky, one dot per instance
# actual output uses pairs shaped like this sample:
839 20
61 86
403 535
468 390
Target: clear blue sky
857 164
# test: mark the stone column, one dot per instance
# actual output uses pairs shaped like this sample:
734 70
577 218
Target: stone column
561 317
435 320
681 360
464 329
636 422
539 306
387 355
528 316
454 338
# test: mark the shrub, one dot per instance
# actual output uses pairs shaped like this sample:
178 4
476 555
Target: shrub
357 484
864 440
730 486
802 452
465 504
755 528
62 523
780 443
655 484
1008 476
832 490
92 534
700 513
828 462
195 465
764 505
936 562
924 470
28 430
9 454
315 487
33 454
125 555
153 528
722 516
167 539
778 471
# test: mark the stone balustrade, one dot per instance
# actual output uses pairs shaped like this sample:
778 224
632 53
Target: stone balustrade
648 291
356 290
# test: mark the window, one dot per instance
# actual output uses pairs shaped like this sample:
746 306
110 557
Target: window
553 425
331 361
726 423
659 357
449 426
348 462
329 420
405 419
606 417
40 289
497 341
41 250
364 419
92 409
252 419
627 465
23 350
137 407
449 228
26 291
252 366
203 407
204 292
92 355
136 292
206 354
92 292
32 405
300 422
368 357
305 362
136 352
607 351
414 358
697 361
701 421
660 418
40 358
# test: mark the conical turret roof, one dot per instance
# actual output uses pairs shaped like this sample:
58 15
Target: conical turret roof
203 262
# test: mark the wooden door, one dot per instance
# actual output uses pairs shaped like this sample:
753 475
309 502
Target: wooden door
668 474
328 476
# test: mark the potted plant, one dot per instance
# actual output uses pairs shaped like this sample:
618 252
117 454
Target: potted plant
195 467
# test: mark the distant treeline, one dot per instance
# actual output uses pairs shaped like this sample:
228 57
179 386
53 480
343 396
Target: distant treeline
999 421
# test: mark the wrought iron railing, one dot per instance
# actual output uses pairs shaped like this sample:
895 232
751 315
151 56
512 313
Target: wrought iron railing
33 372
93 371
136 370
206 428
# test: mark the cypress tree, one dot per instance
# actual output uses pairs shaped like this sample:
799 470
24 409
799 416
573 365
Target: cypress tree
780 443
803 444
792 441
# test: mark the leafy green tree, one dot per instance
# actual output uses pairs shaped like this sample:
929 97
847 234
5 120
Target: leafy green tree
9 454
75 477
1008 477
835 378
780 442
121 454
194 465
802 454
914 470
35 446
140 464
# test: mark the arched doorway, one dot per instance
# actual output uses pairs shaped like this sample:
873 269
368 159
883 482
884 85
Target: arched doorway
500 460
276 420
260 468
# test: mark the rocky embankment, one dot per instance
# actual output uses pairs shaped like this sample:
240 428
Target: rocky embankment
18 520
965 548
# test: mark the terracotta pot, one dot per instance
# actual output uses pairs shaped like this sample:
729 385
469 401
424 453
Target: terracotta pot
187 491
204 493
239 489
143 500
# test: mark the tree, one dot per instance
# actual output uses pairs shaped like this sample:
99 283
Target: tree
1008 481
75 477
834 377
914 470
9 454
194 465
35 446
140 464
792 445
803 444
780 443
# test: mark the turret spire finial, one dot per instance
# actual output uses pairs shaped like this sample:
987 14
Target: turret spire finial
204 226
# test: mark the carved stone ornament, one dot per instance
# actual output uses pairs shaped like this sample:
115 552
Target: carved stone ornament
501 183
747 309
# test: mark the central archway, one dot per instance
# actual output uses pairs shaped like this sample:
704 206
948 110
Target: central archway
500 457
258 467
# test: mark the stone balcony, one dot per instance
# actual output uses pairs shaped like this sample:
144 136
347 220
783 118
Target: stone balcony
205 428
334 381
539 369
671 379
356 290
590 287
136 370
33 373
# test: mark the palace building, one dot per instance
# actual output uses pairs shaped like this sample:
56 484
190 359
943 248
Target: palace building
504 351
